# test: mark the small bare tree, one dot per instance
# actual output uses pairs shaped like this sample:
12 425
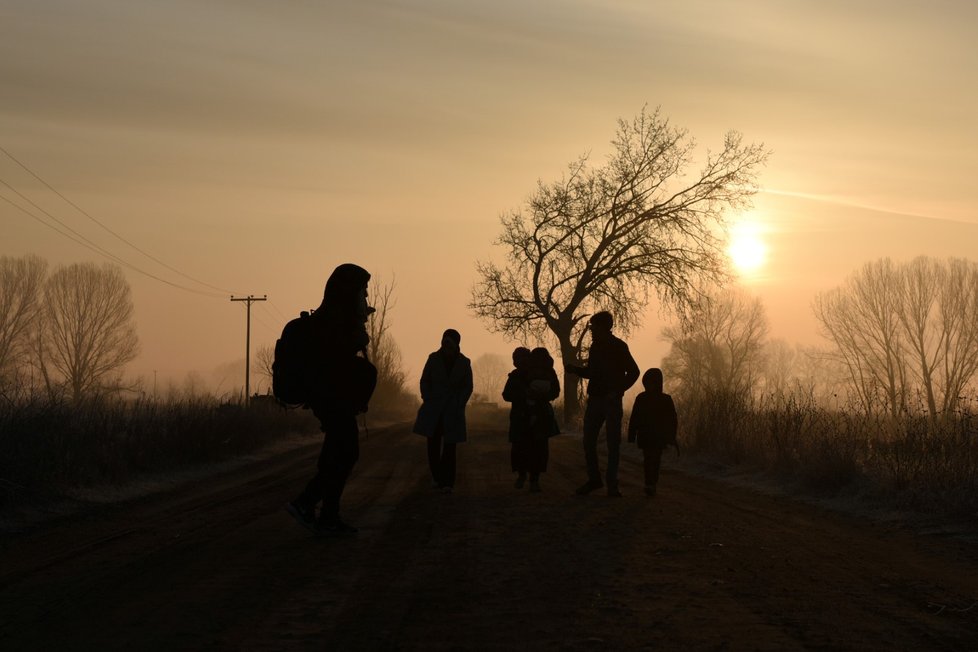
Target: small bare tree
382 350
489 373
779 370
21 283
720 346
87 333
264 357
603 237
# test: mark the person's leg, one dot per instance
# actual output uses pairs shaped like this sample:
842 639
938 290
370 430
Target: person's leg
542 457
434 456
612 426
593 418
315 488
652 463
337 462
313 493
448 465
538 461
517 460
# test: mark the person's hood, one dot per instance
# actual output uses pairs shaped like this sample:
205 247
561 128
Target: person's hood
652 381
343 288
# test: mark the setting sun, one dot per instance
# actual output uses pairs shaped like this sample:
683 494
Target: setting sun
747 250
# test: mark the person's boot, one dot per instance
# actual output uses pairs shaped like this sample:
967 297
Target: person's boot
535 485
304 516
334 526
588 487
520 480
650 490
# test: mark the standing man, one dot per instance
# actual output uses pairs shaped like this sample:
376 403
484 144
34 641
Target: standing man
611 370
446 385
329 350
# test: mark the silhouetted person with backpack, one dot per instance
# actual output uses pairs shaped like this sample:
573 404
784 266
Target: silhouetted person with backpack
610 371
446 385
327 357
653 426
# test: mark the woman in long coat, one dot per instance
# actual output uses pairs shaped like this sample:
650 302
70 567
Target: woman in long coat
446 385
530 387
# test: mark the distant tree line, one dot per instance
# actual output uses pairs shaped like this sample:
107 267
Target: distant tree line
903 339
906 333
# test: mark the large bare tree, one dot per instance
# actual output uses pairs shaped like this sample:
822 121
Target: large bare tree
906 329
87 333
21 283
603 236
720 346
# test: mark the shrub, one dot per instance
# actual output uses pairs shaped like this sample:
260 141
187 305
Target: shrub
916 461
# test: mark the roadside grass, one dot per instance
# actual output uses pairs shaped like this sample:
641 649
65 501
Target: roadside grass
910 462
48 448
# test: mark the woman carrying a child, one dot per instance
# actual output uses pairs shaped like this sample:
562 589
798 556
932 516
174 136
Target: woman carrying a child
531 386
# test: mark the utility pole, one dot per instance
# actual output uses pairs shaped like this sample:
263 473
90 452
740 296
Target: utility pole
248 301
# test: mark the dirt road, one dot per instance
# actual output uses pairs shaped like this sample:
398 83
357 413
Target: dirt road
703 566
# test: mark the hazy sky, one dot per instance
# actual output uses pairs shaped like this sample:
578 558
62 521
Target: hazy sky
256 145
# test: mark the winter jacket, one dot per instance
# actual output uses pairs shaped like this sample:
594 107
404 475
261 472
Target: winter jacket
444 395
611 369
531 421
653 423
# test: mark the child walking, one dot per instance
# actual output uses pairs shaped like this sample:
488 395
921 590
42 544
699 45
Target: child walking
653 425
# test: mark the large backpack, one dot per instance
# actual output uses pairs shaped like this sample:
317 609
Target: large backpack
290 369
348 381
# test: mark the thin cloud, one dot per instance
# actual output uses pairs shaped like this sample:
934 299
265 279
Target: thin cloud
852 203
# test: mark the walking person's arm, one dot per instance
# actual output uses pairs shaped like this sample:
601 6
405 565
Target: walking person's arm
465 389
426 381
673 425
634 419
632 371
513 391
554 386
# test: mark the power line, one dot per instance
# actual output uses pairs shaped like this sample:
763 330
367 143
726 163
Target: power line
50 226
89 216
88 244
271 329
278 310
275 320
